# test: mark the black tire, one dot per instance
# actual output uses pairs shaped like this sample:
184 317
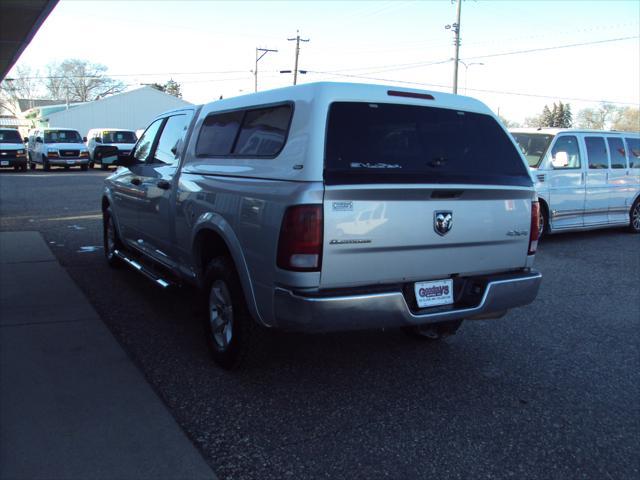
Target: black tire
23 167
91 165
104 167
45 164
17 168
66 167
234 339
32 165
111 239
634 217
84 167
543 225
433 332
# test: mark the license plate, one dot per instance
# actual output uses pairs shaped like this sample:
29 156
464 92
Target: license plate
71 162
4 163
434 293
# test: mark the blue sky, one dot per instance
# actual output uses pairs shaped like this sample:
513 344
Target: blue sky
209 46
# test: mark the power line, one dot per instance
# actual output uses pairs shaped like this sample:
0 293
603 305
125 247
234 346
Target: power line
422 84
409 66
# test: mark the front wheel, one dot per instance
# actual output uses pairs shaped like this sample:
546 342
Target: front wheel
110 238
84 167
634 217
235 340
45 164
543 222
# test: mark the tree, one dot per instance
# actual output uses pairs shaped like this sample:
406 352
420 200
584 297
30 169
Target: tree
80 81
171 87
628 120
508 123
601 118
559 116
23 84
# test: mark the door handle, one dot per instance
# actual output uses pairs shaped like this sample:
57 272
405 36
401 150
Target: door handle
164 185
136 181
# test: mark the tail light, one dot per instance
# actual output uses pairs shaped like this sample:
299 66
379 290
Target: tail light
300 243
535 227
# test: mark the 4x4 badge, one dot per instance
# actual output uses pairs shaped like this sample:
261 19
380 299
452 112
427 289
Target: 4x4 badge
442 222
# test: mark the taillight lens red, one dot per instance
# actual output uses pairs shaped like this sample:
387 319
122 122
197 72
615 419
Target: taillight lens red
535 227
300 243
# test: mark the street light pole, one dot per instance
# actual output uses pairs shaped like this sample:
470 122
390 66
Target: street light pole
466 72
255 72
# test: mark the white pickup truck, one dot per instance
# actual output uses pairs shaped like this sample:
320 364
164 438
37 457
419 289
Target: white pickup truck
327 207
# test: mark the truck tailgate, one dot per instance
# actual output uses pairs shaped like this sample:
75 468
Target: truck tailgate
387 234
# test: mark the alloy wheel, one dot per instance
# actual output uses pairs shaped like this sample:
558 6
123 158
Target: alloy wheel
221 314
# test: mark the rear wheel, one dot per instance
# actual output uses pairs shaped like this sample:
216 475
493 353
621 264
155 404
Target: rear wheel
235 340
634 217
435 331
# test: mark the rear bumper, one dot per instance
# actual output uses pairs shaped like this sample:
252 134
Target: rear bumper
295 311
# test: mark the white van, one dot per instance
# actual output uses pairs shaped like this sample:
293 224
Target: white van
124 140
62 147
585 179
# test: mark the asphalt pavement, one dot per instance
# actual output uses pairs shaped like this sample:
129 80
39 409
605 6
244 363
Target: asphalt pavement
552 390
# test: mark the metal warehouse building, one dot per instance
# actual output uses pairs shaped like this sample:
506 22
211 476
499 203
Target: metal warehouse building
130 110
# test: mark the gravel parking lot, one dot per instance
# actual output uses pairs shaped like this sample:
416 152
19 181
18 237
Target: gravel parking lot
550 391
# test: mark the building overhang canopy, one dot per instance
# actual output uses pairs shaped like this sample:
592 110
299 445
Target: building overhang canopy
19 22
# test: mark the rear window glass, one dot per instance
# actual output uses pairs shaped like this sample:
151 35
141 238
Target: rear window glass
10 136
616 149
248 133
387 143
634 152
596 152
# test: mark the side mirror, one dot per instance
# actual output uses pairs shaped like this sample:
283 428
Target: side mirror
561 160
38 140
84 139
108 155
98 140
25 140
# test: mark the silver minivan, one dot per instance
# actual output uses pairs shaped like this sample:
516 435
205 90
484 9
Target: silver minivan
585 179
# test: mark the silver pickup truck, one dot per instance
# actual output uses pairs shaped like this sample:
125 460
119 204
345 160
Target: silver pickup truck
327 207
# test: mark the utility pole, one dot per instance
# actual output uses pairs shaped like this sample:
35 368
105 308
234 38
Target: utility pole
298 40
255 72
456 41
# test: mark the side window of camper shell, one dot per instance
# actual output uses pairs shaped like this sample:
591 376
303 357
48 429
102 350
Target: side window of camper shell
254 133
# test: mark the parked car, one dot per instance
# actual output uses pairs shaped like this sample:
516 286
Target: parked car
57 147
327 207
97 138
585 179
12 150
